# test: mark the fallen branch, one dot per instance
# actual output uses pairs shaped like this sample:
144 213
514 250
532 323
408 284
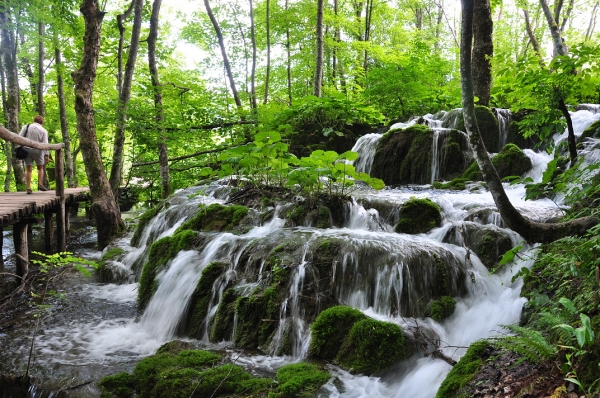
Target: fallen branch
182 157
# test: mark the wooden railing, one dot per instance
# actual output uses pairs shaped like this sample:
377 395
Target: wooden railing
60 178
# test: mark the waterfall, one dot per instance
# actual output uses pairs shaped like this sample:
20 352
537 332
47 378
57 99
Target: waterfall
366 147
504 117
435 161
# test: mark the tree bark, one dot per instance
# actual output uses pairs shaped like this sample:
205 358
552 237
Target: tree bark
253 71
531 231
289 59
268 33
219 34
41 106
62 109
104 206
116 171
318 80
7 147
163 153
483 50
11 105
532 39
121 27
592 25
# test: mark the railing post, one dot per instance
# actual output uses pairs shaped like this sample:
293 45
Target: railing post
61 229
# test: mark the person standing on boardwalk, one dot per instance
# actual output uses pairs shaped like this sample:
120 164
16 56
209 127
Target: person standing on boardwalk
36 132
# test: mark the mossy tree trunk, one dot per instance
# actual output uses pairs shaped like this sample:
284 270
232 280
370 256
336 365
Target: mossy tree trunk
483 50
318 80
530 230
104 206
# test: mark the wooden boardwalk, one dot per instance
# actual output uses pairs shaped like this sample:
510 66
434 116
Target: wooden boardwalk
17 206
19 209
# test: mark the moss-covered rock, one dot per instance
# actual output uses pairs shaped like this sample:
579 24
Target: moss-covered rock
222 327
105 272
299 380
174 347
442 308
457 184
120 385
371 346
511 161
488 127
199 302
330 329
418 216
161 252
404 156
218 218
143 222
591 132
464 370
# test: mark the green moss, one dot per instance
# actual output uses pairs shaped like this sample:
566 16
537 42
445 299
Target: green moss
103 273
442 308
197 359
491 246
593 131
457 184
330 329
222 327
147 372
418 216
217 217
144 220
299 380
464 370
511 161
404 156
161 252
323 217
472 173
371 346
174 347
201 297
297 214
250 312
120 385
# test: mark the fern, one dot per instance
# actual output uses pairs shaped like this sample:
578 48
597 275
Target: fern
528 343
549 321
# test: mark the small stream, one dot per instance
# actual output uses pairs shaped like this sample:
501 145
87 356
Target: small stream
96 329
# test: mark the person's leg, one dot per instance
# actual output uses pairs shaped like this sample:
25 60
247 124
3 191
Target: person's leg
28 170
41 186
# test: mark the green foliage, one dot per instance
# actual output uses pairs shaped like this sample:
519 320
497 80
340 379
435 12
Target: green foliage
418 215
299 380
442 308
330 329
464 370
143 221
215 217
49 262
371 346
528 343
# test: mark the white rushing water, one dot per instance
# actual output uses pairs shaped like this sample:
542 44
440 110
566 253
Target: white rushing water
116 336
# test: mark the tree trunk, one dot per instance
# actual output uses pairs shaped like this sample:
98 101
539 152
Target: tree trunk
531 231
268 33
219 34
116 171
41 106
532 39
121 27
62 109
289 59
318 80
11 105
592 25
104 206
163 154
483 50
253 72
6 145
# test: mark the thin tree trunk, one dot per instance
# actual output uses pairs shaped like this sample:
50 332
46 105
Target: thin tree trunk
567 16
104 206
253 71
268 33
219 34
11 105
592 25
163 153
318 80
41 106
62 109
483 51
531 35
369 15
6 145
116 171
121 27
531 231
289 59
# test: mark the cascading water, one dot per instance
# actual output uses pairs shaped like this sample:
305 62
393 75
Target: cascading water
504 118
386 275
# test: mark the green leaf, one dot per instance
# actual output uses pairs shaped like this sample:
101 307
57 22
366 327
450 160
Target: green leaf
510 255
568 304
